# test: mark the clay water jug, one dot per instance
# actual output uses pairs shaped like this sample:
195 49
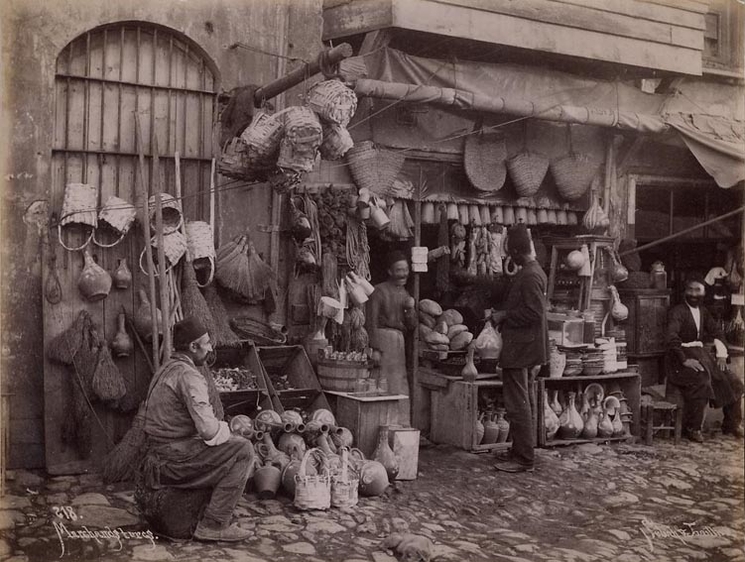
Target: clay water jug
503 425
618 430
469 371
479 429
590 431
143 318
290 442
342 438
373 476
121 345
584 412
334 461
384 455
291 470
555 404
94 282
557 362
605 424
122 276
272 454
491 430
267 479
550 419
570 422
293 418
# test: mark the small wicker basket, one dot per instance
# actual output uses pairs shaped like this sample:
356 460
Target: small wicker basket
483 159
79 208
573 174
336 142
345 485
174 248
527 170
118 215
233 161
374 168
171 211
263 134
313 491
333 102
201 248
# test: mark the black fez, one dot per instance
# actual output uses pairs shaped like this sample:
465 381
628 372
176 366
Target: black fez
518 240
187 331
394 257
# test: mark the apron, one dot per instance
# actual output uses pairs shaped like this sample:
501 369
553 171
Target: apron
392 348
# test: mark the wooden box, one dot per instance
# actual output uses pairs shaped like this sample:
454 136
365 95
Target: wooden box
288 364
628 382
246 402
363 416
454 413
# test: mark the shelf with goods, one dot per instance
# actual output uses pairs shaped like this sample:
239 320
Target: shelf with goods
628 382
242 388
456 405
288 377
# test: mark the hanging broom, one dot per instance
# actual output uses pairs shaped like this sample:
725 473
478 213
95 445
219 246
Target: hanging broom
221 334
64 346
107 382
192 301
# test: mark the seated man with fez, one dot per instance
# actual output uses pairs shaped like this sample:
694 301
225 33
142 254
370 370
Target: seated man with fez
699 374
188 447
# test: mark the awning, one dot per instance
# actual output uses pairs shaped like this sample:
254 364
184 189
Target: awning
718 142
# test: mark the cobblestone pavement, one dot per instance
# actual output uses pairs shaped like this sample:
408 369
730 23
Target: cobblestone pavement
626 503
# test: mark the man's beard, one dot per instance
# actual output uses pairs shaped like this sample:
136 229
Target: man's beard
693 301
199 362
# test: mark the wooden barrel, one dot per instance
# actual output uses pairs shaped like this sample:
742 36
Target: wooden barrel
340 375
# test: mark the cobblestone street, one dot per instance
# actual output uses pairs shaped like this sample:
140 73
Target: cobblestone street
627 503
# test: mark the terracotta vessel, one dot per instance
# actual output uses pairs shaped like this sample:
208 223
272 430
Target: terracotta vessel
590 430
570 422
289 442
342 438
550 419
373 475
469 371
122 276
143 318
271 454
503 425
479 429
385 456
121 345
491 430
555 404
605 425
94 282
267 479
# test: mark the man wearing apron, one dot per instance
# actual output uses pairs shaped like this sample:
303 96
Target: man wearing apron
390 314
700 375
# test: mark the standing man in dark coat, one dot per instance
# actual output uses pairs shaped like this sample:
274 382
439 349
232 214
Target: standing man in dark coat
525 337
700 375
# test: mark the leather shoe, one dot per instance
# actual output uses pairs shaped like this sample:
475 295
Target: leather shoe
504 456
513 466
695 436
231 533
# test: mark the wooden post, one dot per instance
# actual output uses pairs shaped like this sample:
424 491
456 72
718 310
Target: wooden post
276 87
163 280
416 393
142 204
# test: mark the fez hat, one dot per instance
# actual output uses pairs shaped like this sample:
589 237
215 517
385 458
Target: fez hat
186 331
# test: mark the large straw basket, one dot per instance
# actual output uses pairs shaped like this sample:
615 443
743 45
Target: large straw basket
313 491
483 159
527 170
296 158
374 168
174 247
345 485
171 211
118 215
303 135
79 208
573 174
333 102
263 134
336 142
233 161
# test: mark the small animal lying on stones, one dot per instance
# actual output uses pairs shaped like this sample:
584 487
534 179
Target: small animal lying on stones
413 548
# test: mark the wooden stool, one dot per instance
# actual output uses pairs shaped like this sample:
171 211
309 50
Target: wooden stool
671 418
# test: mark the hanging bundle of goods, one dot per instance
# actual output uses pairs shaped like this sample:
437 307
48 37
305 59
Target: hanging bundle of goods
401 224
241 270
333 206
573 172
483 158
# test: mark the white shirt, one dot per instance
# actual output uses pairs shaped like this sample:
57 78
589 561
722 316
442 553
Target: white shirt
719 345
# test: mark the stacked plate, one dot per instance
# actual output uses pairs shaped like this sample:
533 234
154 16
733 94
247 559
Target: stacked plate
593 362
574 365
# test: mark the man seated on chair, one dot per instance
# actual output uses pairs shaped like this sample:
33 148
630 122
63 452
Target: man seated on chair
699 374
187 446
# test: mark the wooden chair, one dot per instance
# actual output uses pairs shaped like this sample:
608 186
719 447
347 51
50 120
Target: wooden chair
664 414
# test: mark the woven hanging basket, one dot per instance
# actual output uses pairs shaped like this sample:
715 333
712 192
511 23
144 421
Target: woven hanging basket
233 161
118 215
336 142
527 170
171 211
263 134
573 174
174 248
313 491
333 102
296 158
79 208
199 240
374 168
483 159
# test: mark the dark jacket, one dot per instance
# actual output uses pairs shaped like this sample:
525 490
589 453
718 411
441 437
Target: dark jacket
525 329
681 328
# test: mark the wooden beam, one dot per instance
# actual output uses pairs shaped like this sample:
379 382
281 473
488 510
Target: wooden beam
586 18
357 17
457 21
644 10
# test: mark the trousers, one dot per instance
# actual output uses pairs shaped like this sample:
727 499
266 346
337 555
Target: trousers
517 404
191 464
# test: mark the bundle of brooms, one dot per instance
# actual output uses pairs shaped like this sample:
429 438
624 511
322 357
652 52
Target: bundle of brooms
241 270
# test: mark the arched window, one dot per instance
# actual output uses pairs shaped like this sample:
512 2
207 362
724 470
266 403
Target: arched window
107 76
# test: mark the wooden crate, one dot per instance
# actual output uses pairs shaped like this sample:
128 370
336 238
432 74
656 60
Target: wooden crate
628 382
454 413
291 361
246 402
